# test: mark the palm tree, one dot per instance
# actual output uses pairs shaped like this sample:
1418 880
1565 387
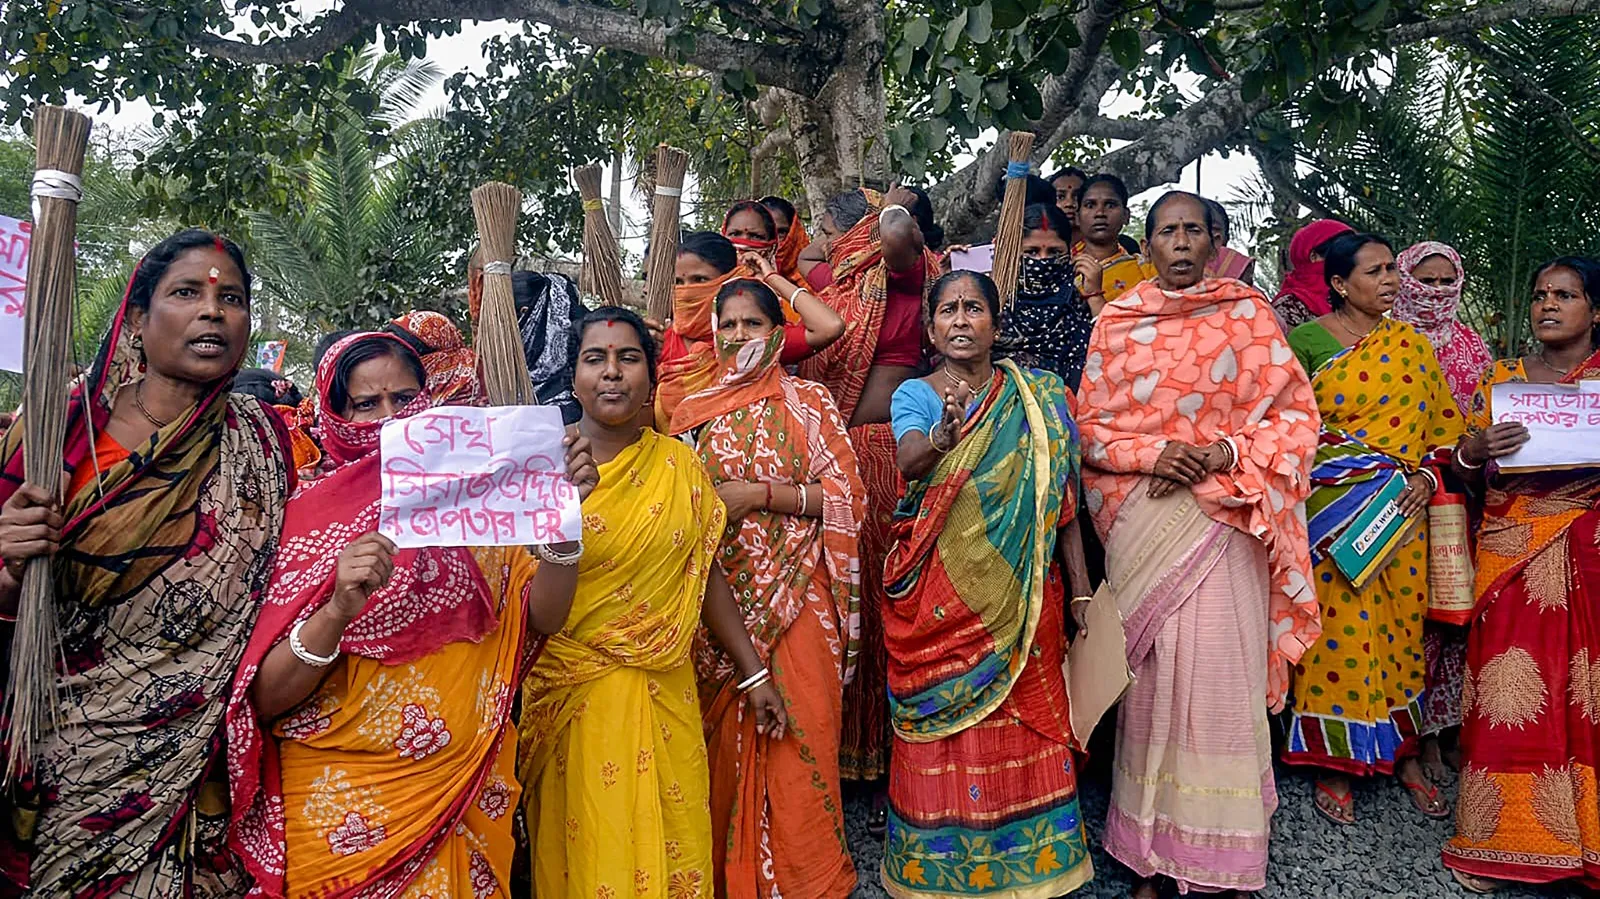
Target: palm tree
1467 148
343 255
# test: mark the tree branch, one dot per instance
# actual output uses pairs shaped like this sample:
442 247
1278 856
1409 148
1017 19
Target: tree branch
802 69
1279 172
1506 69
1117 129
1482 17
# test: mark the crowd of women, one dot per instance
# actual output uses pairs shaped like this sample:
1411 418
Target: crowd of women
841 515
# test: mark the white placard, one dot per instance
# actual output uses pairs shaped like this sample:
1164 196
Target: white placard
459 476
1563 422
977 259
15 236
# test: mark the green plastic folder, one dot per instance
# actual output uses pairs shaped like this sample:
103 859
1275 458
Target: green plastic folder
1370 541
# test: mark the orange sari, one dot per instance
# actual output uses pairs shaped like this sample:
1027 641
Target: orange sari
776 815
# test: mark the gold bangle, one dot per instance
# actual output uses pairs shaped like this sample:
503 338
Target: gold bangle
935 444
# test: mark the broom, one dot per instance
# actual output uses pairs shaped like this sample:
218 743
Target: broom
601 275
499 341
671 164
33 705
1008 233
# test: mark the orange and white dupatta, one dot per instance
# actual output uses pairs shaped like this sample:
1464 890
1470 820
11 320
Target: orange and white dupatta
1201 365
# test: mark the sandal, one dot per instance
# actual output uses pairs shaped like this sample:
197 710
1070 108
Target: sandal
1425 798
1344 807
1474 884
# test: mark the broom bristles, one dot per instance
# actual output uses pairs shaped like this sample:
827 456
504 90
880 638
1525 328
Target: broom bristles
601 274
1008 232
499 342
671 165
33 702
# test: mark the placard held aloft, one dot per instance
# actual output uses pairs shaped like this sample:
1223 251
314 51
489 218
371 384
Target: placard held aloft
459 476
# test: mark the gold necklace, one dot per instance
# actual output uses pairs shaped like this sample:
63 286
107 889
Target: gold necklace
138 402
1358 335
1546 363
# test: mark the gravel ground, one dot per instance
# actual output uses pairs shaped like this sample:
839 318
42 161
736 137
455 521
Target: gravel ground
1391 851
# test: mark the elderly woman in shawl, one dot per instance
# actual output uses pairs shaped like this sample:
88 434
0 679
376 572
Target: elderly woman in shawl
780 458
1304 293
982 783
1431 279
163 543
612 753
1386 413
871 265
1528 808
370 730
707 261
1198 438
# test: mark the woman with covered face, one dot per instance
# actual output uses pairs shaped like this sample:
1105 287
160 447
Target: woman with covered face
160 548
982 781
777 450
1528 810
1049 321
1198 433
1386 412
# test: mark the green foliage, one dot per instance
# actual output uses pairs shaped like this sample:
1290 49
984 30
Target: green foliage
1452 151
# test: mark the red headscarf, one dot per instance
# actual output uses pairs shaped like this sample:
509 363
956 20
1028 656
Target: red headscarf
436 595
1304 281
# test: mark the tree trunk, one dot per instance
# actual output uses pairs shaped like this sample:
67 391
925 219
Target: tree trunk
839 138
615 213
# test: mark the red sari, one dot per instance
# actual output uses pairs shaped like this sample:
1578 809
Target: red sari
1530 736
859 292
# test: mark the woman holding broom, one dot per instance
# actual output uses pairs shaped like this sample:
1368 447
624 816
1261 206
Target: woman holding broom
162 548
780 458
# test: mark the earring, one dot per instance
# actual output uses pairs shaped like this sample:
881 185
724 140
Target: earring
137 342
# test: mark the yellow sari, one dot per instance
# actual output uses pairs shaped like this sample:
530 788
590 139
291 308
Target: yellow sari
612 753
381 753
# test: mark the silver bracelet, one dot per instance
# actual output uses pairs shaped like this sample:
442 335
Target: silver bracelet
306 655
1461 460
558 558
802 489
754 680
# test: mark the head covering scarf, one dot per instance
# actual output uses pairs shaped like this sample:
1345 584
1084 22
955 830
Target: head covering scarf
1304 281
451 367
750 372
789 248
1049 324
859 293
435 596
1430 309
164 559
1462 354
547 306
694 323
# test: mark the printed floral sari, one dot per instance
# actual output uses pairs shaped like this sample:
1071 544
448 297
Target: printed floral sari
164 561
395 777
1531 700
612 757
982 786
775 802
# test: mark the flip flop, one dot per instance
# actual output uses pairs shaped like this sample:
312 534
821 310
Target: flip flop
1424 795
1345 803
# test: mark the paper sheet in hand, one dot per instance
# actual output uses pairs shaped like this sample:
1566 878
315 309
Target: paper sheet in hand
1097 665
458 476
1563 422
15 238
977 259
